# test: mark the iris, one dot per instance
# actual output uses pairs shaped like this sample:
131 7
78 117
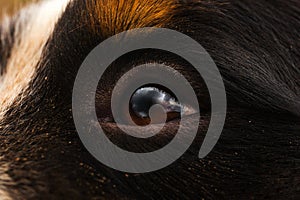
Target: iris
146 97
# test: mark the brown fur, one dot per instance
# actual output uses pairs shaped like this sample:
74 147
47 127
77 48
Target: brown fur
134 14
30 36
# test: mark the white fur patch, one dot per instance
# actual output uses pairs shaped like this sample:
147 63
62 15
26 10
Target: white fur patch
34 26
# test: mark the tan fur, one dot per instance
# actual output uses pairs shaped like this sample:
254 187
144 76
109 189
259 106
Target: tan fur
32 30
36 23
34 26
115 16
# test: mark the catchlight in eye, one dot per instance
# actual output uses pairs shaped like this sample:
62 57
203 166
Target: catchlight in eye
144 98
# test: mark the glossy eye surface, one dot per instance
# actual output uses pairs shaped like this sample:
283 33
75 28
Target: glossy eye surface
146 97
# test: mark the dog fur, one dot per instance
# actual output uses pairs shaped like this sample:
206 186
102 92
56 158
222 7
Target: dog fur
255 45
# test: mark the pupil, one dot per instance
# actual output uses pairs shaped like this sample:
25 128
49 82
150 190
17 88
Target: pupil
144 98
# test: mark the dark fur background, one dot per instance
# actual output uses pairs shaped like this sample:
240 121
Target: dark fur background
255 44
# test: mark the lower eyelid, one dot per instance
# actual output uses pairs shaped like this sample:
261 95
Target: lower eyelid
123 140
156 142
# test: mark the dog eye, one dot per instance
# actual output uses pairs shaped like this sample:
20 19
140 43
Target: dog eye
146 97
142 99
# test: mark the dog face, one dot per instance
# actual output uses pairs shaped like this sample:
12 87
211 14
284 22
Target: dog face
256 48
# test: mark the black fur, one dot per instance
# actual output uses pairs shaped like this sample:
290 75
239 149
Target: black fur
255 44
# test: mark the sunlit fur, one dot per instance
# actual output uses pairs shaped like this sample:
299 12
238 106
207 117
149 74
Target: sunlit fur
255 45
114 16
33 27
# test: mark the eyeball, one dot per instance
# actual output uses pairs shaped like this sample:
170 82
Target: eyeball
143 105
147 96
